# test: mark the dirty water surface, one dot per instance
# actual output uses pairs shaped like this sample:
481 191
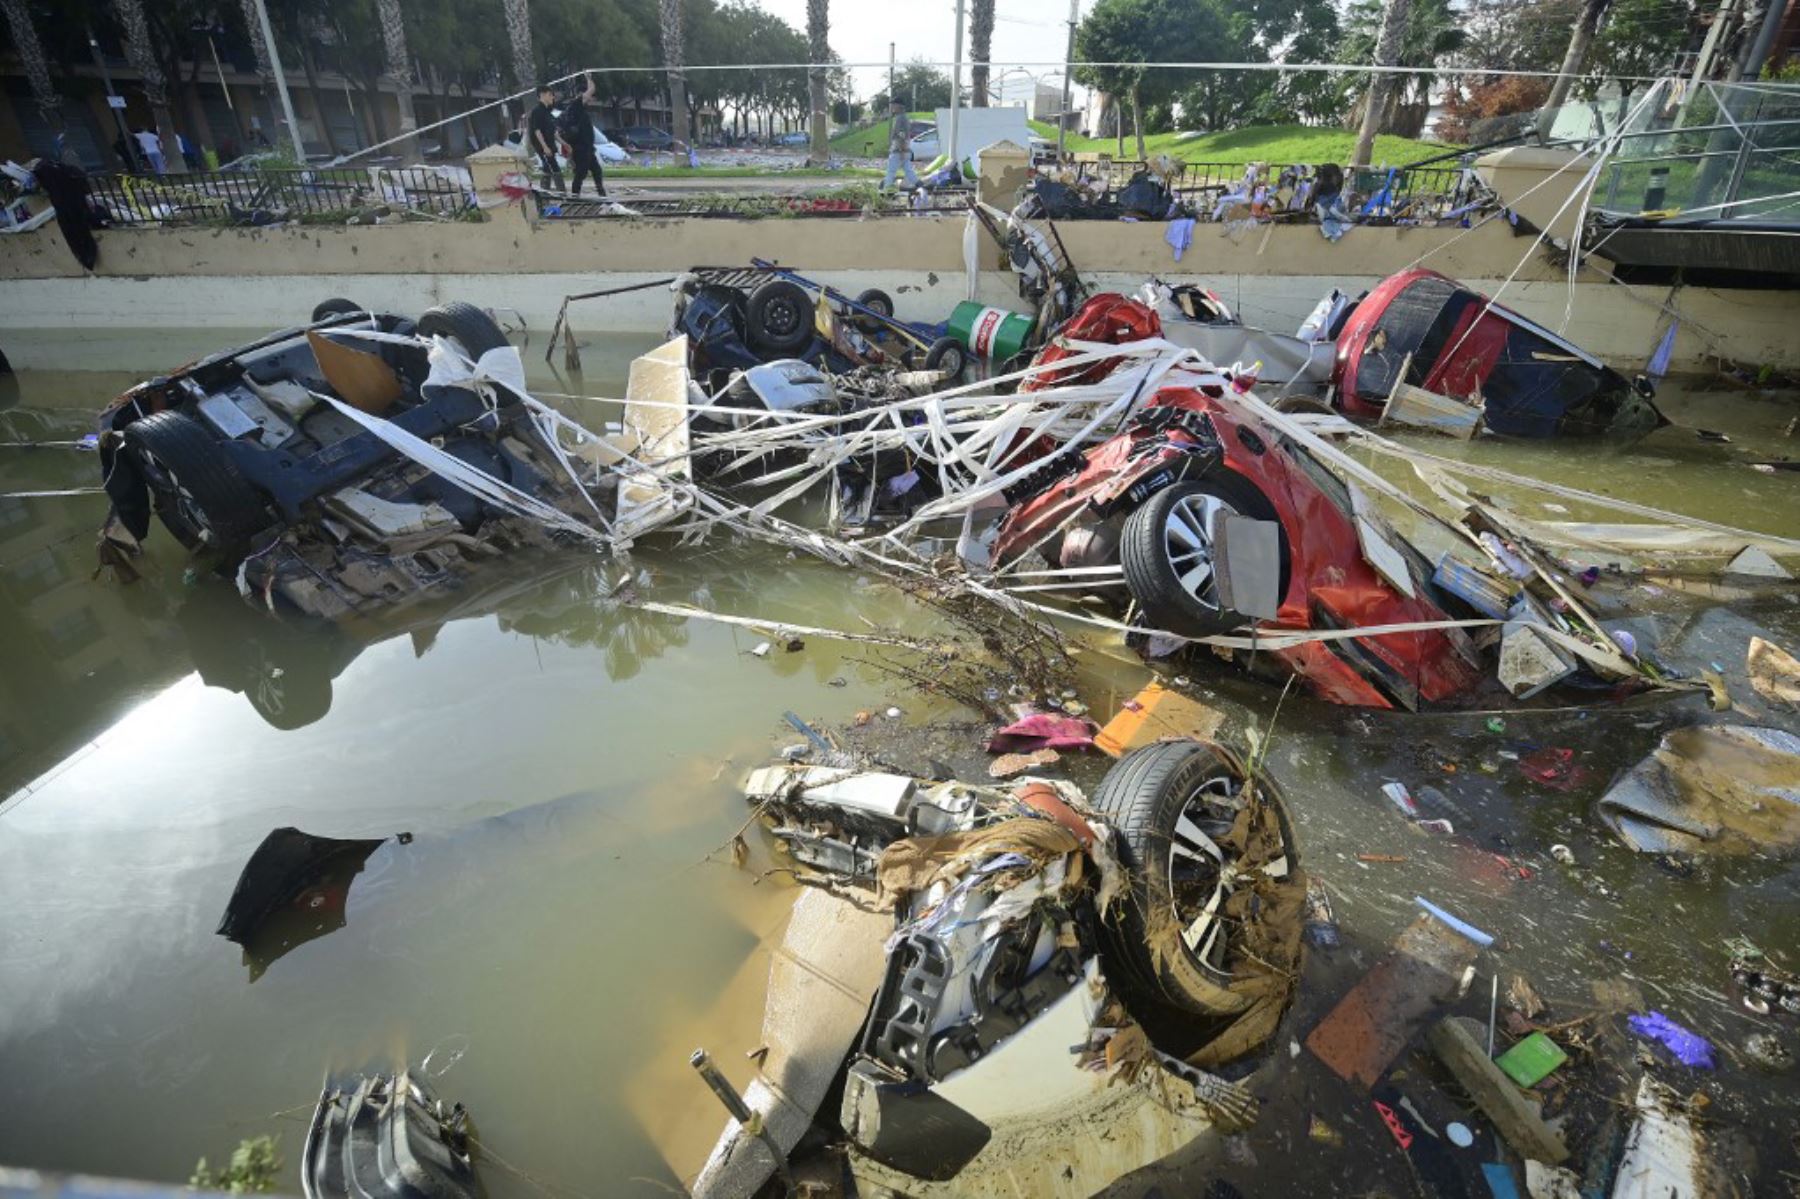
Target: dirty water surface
554 931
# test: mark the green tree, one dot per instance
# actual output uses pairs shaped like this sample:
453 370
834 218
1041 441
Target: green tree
1434 34
918 85
1144 31
1638 38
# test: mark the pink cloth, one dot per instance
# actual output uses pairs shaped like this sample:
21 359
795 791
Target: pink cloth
1043 730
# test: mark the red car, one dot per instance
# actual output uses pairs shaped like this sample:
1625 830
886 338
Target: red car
1155 500
1529 381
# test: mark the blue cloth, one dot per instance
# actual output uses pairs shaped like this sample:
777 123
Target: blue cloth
1665 350
1180 235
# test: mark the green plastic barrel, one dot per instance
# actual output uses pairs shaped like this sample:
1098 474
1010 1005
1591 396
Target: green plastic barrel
991 333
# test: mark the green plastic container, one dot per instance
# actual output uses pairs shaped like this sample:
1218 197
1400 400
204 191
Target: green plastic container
1531 1060
991 333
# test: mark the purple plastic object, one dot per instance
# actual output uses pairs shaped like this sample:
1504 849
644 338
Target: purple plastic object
1689 1048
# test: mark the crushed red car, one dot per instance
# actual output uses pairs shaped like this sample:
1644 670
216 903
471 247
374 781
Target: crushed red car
1218 521
1454 341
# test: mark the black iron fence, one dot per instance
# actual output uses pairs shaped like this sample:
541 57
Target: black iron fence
1201 184
271 196
720 205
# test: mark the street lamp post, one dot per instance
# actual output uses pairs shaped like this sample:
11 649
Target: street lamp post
281 87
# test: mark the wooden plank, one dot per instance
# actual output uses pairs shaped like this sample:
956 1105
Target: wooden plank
1494 1093
1360 1037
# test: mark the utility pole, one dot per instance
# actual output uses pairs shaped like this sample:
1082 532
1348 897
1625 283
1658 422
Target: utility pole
956 85
1715 37
114 102
1062 118
891 96
281 87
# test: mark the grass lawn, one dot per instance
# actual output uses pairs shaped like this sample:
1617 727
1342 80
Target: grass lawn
871 142
1259 143
746 172
1255 143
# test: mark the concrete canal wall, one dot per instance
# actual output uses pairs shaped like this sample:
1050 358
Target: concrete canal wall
249 278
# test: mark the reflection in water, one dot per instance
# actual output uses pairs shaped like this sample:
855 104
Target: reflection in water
293 890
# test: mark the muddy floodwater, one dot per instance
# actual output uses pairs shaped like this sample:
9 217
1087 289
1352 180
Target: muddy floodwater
553 935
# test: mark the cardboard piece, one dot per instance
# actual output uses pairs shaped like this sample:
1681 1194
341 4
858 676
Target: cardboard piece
360 378
1157 714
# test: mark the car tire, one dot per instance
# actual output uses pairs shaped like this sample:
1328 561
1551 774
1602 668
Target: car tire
198 491
947 354
876 300
336 306
1156 798
465 324
1306 404
779 317
1166 541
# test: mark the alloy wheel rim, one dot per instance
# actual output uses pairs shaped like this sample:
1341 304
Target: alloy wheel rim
1188 545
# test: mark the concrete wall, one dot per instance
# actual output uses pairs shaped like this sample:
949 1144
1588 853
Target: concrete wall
237 278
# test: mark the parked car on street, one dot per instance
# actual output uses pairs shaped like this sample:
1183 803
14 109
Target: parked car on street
643 137
604 148
795 138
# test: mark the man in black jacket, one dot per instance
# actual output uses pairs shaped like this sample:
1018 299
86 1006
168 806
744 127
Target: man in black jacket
577 128
540 137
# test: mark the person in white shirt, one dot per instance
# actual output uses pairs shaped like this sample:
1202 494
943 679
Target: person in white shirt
151 146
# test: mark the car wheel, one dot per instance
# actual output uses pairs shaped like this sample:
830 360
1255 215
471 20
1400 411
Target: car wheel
947 354
1168 557
468 326
875 300
1171 805
779 317
1306 404
337 306
199 493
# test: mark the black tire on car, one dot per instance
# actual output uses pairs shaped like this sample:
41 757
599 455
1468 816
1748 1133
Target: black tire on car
947 354
198 491
1307 404
1169 805
465 324
875 300
779 317
336 306
1167 552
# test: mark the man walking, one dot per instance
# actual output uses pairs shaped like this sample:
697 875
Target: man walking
540 137
577 129
899 147
150 145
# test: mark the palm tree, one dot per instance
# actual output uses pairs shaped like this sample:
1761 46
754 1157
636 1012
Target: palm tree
818 53
981 37
399 68
31 56
518 32
142 57
670 13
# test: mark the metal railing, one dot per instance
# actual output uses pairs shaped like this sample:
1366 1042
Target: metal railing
1201 184
749 206
276 195
1725 152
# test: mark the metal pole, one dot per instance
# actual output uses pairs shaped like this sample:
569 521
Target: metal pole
1765 39
281 87
132 150
1062 118
956 85
891 96
1715 34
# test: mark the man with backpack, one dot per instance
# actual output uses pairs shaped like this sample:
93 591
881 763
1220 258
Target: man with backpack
577 129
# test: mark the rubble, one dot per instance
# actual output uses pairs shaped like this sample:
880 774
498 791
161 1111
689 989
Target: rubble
1056 1060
